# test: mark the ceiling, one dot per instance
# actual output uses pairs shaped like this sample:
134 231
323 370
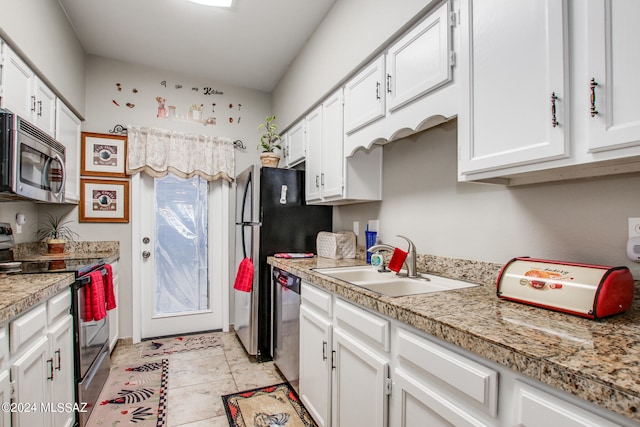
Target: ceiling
251 46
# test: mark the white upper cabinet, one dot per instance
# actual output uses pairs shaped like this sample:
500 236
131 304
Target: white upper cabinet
294 144
514 83
548 92
17 85
420 62
24 94
44 116
313 166
614 110
408 88
364 97
332 139
68 132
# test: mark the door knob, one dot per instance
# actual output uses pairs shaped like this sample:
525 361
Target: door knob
146 254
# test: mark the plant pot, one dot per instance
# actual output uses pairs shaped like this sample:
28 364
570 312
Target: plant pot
56 246
270 159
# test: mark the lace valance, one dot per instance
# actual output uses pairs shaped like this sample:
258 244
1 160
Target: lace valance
157 152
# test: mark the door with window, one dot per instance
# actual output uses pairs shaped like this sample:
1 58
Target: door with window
182 238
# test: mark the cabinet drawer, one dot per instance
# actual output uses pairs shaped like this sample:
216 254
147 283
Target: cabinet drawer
535 408
58 306
319 299
27 327
465 375
372 328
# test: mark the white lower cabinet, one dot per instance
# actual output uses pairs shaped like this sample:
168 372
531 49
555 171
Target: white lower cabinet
5 396
315 365
439 387
358 368
42 364
360 383
344 378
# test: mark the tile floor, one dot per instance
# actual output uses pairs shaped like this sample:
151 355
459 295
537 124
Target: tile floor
198 378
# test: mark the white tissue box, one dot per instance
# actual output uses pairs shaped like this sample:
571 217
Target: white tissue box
336 245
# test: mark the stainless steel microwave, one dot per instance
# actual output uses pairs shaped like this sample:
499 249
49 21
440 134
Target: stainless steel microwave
32 163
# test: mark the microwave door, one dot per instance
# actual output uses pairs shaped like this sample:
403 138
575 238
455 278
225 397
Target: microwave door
53 177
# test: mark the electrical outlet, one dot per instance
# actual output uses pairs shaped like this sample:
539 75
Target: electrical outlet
356 227
634 227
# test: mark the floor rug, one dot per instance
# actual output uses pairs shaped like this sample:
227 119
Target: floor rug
276 405
133 395
162 346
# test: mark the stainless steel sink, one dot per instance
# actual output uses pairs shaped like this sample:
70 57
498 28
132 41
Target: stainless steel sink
392 285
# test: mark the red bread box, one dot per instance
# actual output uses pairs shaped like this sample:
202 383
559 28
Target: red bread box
592 291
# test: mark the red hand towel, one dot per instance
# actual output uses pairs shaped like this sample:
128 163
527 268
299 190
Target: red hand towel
87 314
98 305
109 293
244 278
397 259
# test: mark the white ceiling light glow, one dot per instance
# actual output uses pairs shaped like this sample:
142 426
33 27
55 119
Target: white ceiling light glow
216 3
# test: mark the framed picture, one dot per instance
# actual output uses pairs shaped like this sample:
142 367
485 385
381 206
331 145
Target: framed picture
103 155
104 200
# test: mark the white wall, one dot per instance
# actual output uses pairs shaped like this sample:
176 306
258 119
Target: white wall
40 32
580 221
103 76
349 35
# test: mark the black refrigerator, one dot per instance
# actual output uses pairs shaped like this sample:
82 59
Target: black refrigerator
271 217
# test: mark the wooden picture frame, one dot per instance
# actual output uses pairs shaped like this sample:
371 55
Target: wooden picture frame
103 155
104 200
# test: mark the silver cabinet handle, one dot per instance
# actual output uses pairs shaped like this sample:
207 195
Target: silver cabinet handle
324 350
378 91
146 254
388 83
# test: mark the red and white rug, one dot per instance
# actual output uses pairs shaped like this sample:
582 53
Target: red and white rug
134 395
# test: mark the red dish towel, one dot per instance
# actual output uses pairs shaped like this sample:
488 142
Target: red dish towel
109 293
397 259
244 278
98 304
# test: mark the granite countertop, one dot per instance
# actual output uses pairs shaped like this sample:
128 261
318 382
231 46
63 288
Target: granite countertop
20 292
598 361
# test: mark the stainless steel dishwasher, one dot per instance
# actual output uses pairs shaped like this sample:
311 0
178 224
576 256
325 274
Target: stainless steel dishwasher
286 324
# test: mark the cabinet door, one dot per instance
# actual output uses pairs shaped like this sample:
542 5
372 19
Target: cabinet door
5 396
68 132
45 112
295 144
32 375
17 86
613 66
61 341
417 405
332 142
419 62
313 136
315 365
514 72
364 97
359 384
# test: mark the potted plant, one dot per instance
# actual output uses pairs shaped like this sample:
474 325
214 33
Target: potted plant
269 142
55 232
